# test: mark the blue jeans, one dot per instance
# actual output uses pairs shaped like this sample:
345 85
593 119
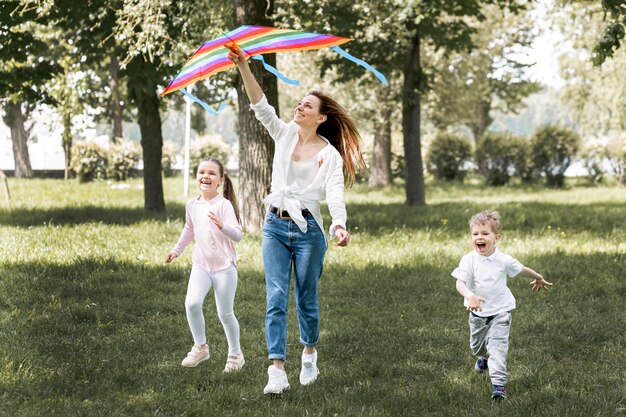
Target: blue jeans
286 248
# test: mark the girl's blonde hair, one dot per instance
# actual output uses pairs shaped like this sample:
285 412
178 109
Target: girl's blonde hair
229 191
488 217
342 132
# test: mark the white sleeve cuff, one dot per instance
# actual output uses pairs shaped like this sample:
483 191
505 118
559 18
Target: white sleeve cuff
333 227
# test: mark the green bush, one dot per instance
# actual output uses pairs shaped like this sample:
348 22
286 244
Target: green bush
167 160
89 161
593 157
616 150
122 161
500 155
447 156
553 149
204 149
397 166
524 168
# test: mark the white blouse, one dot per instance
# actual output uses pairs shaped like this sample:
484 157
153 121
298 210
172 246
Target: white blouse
327 183
302 172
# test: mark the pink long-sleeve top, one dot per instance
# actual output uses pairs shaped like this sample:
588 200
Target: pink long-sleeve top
214 249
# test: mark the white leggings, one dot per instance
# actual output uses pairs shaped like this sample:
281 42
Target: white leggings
224 285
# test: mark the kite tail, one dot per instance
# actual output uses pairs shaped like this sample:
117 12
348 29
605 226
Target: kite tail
202 103
362 63
274 71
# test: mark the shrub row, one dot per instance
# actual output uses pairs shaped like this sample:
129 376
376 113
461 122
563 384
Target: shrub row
91 162
119 162
499 157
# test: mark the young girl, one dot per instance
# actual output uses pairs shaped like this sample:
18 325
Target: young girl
213 221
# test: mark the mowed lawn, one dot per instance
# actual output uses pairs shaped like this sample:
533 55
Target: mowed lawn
92 321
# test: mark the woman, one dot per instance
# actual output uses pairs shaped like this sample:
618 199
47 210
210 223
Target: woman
313 155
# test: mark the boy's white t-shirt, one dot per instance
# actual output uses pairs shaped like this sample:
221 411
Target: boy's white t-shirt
486 277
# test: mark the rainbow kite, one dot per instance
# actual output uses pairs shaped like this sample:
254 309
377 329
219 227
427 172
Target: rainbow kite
212 57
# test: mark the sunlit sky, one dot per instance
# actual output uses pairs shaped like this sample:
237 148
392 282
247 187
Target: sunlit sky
545 47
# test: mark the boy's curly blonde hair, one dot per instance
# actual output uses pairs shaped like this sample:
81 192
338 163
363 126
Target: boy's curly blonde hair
487 217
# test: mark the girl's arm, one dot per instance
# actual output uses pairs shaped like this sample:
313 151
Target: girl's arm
228 223
185 238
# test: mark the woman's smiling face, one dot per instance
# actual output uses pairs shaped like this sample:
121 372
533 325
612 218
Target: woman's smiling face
308 111
484 239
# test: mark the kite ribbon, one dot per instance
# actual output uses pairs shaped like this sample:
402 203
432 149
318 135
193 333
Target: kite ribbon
274 71
202 103
362 63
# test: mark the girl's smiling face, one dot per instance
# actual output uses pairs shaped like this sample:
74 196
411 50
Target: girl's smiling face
209 178
484 239
307 112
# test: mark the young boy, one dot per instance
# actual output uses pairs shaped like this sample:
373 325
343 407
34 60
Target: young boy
481 280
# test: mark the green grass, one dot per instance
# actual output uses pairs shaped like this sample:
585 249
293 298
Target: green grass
92 321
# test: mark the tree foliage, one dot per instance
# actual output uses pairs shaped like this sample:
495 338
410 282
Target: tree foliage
448 155
499 156
596 95
468 86
553 149
611 39
391 36
146 37
25 65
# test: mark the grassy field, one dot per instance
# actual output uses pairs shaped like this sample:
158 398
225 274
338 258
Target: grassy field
92 321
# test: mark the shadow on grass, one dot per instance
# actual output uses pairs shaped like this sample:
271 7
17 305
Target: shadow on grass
531 217
528 217
100 333
87 214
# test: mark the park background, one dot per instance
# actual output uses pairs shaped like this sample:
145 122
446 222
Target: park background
515 106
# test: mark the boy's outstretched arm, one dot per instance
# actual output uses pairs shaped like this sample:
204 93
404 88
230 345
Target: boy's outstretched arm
473 301
538 282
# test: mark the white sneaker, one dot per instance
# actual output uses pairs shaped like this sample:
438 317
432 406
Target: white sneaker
309 371
234 363
195 356
277 382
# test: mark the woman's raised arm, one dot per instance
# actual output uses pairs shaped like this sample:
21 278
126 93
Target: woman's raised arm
253 89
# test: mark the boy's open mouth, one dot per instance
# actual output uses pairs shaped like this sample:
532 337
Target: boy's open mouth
481 245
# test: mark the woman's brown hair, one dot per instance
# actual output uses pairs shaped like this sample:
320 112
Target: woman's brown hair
229 191
341 131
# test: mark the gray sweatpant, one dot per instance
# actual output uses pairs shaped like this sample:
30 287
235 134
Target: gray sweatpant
489 337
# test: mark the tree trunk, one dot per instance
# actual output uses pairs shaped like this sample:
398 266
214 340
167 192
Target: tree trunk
411 103
67 141
256 147
7 193
483 120
15 119
380 166
142 82
116 107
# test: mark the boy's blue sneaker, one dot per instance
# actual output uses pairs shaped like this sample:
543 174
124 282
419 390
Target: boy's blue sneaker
498 392
481 365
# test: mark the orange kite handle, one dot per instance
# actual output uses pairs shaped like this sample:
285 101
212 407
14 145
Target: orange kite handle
233 47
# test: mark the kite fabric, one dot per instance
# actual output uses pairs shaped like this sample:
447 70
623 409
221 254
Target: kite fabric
212 57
